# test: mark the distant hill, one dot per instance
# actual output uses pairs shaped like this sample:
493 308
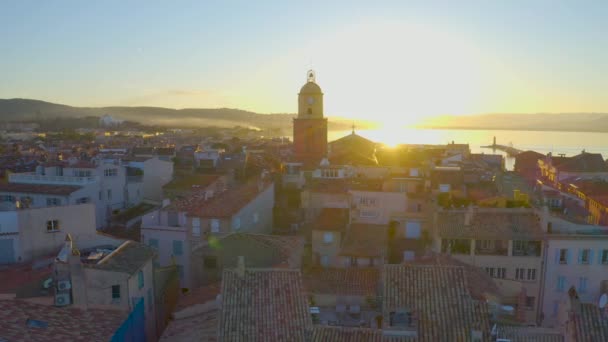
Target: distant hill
579 122
26 109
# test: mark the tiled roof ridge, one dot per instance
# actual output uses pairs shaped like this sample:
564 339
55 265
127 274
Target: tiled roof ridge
114 252
264 269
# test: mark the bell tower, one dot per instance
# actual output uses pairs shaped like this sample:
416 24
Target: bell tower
310 99
310 127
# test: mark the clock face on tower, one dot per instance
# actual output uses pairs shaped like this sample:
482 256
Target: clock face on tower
310 100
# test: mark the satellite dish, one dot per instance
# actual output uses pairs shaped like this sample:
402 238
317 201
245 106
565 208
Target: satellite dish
603 301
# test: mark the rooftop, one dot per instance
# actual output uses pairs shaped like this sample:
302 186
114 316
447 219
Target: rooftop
589 324
263 305
127 258
342 334
193 182
526 334
491 223
343 281
59 190
224 204
24 321
584 162
438 297
365 240
282 248
331 219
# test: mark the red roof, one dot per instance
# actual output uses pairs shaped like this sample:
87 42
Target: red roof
63 324
60 190
226 203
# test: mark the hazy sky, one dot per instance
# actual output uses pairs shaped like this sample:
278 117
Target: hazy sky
374 59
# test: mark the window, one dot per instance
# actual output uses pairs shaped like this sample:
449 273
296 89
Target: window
531 274
82 200
109 196
368 213
490 271
215 225
520 273
486 244
110 172
53 201
100 195
413 230
582 285
501 272
555 308
256 217
324 260
584 256
153 243
210 261
367 201
237 223
530 302
604 257
196 226
82 173
353 262
140 279
401 319
150 299
561 283
52 226
115 292
7 198
178 247
563 256
180 270
328 238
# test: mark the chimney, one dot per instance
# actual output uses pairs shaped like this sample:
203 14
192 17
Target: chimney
240 266
468 215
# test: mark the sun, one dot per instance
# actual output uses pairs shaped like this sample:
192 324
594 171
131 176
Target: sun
397 73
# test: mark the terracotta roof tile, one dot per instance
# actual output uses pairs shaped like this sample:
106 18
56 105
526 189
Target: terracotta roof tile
64 324
341 334
127 258
285 247
228 202
263 305
343 281
59 190
490 224
590 326
528 334
438 296
478 281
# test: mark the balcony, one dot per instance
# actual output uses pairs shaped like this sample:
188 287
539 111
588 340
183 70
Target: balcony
33 178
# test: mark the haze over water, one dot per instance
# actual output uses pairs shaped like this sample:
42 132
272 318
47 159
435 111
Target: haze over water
568 143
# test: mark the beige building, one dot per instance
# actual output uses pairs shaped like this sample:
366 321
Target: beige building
27 234
108 274
507 243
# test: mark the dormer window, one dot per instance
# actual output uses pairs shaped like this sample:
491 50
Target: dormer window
401 318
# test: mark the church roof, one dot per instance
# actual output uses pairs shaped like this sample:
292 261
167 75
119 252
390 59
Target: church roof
310 88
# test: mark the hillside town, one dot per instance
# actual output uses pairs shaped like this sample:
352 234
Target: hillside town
119 233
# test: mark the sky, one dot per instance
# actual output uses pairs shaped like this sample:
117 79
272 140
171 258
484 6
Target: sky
394 62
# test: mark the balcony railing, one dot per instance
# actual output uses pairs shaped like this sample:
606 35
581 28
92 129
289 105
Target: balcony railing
32 178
